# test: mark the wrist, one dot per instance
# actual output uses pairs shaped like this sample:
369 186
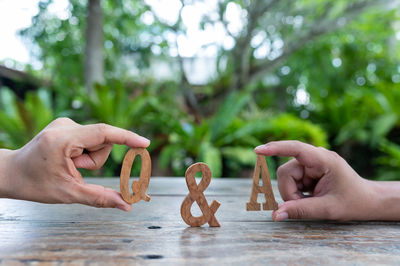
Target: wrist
385 200
6 173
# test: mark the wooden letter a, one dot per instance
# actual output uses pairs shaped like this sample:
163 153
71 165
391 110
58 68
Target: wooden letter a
265 188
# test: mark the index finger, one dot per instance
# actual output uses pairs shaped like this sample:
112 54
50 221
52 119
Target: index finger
305 153
96 134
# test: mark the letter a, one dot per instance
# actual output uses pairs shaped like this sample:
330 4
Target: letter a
265 188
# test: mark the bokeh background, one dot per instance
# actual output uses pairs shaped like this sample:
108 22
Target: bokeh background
208 80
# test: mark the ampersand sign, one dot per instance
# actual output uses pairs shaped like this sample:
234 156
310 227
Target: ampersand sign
139 188
196 194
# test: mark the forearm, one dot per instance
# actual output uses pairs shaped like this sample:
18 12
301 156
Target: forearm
386 204
5 172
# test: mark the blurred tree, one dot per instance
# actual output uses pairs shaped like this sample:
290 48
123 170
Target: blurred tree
271 32
59 42
333 63
94 59
346 82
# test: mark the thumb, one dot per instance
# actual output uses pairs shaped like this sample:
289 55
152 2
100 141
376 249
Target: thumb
101 197
305 208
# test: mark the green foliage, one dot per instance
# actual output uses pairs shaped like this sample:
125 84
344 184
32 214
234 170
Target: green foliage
63 40
389 162
202 142
113 105
338 90
229 136
137 108
350 77
227 113
21 120
287 126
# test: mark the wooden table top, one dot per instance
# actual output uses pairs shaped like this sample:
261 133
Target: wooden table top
154 233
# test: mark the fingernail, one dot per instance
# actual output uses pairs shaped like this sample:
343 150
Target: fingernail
259 147
281 216
144 139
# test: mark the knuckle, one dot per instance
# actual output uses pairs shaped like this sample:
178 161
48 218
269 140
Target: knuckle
63 121
48 136
334 157
100 200
297 142
69 198
280 171
96 165
101 127
323 150
298 213
331 153
301 213
287 169
329 156
332 211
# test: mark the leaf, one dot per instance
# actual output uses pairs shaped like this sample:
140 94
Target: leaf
382 125
287 126
118 152
226 113
243 155
167 154
7 101
392 149
20 119
12 131
246 132
212 157
38 112
271 167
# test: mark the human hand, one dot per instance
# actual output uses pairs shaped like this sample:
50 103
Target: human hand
336 191
45 169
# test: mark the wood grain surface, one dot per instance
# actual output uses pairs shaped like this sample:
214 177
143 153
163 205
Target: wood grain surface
153 233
